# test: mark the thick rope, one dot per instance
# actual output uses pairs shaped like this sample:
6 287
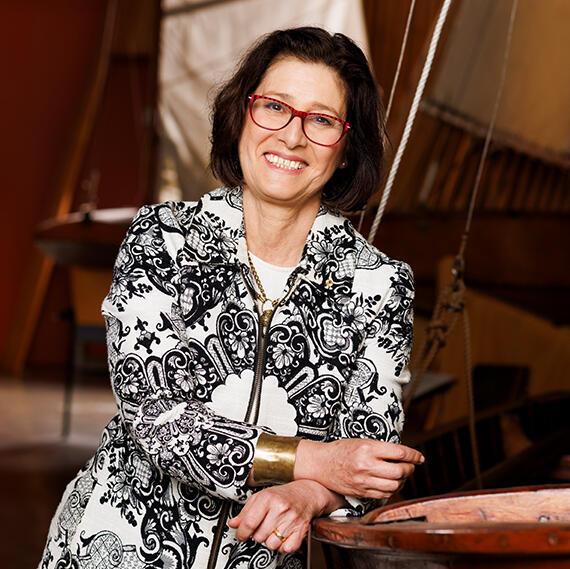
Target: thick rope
411 118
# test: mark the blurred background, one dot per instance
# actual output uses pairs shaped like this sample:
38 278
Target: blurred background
105 107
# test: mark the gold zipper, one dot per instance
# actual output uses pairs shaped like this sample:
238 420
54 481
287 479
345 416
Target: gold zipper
253 406
217 541
252 413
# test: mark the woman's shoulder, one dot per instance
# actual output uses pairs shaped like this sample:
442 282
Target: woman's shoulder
374 268
369 256
161 226
373 271
176 223
169 216
179 214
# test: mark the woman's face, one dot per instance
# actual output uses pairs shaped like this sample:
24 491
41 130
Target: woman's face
311 87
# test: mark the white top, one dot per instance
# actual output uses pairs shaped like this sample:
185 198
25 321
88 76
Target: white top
273 278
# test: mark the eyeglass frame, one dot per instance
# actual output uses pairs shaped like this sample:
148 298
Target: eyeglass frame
295 113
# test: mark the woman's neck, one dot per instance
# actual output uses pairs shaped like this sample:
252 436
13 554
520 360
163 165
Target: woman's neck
277 233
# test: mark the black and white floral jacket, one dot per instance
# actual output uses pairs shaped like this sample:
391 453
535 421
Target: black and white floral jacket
197 380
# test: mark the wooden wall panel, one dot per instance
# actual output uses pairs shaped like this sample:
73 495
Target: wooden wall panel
47 52
57 49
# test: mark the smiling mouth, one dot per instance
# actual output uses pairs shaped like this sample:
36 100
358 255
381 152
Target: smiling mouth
291 165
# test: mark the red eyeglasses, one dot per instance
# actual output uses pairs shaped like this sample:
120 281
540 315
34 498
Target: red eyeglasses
272 114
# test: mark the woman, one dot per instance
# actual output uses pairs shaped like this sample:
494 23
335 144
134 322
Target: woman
257 343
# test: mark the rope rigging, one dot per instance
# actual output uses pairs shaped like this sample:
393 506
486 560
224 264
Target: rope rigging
451 301
450 304
411 118
394 83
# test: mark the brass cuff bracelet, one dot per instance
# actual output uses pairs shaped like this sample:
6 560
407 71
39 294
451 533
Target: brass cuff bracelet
274 460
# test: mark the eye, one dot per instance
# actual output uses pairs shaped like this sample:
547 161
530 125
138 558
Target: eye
274 106
322 121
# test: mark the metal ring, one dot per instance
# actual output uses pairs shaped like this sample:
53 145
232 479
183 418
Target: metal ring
279 535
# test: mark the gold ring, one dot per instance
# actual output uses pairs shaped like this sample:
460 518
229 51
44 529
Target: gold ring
279 535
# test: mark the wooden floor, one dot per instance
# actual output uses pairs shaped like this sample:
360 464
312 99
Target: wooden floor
35 463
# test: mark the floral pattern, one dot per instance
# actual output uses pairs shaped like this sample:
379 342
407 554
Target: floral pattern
184 345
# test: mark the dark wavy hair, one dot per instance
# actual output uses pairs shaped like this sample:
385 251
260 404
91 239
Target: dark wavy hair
349 188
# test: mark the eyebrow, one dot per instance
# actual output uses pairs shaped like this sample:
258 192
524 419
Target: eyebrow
313 105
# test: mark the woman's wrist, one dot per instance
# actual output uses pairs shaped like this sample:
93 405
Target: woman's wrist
328 501
321 500
309 461
335 502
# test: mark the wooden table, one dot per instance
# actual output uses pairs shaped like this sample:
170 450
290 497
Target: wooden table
518 528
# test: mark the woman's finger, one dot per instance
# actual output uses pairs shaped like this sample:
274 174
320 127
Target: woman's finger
248 520
392 470
274 527
383 490
400 453
375 494
294 540
286 539
382 476
385 485
274 542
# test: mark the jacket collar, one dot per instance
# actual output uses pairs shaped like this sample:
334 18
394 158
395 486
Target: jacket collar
328 258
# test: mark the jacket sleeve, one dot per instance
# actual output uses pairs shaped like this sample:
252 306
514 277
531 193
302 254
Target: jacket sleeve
372 402
151 365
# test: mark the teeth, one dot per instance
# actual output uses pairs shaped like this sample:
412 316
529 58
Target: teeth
282 163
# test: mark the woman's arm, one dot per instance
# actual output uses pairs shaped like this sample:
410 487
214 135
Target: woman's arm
363 459
151 365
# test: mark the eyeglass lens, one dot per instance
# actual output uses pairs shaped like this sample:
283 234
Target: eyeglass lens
273 115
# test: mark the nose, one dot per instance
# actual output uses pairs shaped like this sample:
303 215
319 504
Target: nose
292 135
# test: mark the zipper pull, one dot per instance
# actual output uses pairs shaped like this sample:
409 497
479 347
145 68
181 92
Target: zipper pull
266 317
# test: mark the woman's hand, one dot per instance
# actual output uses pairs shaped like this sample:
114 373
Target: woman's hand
288 509
363 468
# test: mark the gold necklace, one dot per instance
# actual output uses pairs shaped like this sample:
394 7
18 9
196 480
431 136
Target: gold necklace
267 305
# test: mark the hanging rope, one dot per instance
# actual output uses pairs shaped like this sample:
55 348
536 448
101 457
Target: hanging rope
400 58
490 130
451 302
411 117
468 362
394 83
